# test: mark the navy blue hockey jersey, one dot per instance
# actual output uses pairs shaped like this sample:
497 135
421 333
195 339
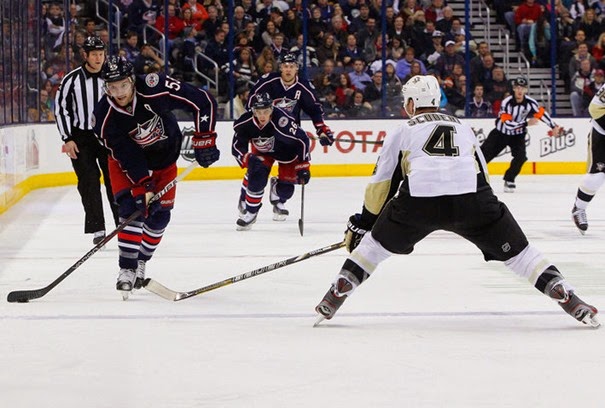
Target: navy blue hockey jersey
281 138
292 99
145 135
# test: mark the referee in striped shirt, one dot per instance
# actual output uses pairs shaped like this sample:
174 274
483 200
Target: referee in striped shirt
76 98
511 129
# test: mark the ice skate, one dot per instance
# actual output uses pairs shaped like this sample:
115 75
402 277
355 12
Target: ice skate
280 213
245 221
140 275
572 304
509 186
126 279
578 216
241 207
98 237
328 306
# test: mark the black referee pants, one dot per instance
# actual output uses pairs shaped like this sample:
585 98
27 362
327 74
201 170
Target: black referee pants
91 161
496 142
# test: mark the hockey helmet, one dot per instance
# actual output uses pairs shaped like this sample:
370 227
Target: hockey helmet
93 43
520 81
261 101
116 68
289 58
423 90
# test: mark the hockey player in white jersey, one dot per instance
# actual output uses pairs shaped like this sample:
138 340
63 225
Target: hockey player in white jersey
594 179
431 176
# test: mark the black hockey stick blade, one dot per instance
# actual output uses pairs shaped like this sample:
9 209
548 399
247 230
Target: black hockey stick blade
301 220
24 296
169 294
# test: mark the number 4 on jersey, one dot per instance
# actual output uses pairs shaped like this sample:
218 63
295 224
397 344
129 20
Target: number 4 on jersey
441 142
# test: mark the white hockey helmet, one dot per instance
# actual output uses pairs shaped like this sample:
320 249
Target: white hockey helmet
423 90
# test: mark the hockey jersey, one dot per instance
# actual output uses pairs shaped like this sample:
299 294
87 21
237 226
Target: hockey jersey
597 110
512 118
300 96
145 135
435 155
281 138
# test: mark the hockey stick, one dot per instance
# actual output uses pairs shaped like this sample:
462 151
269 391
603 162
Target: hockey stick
301 220
169 294
24 296
375 142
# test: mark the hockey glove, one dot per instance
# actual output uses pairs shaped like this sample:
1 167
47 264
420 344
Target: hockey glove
303 175
204 147
142 193
556 131
326 137
252 162
356 229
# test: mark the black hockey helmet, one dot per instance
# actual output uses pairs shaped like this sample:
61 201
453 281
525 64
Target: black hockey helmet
261 101
289 58
93 43
116 68
520 81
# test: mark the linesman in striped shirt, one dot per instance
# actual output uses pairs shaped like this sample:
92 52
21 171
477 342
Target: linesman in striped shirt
76 98
516 113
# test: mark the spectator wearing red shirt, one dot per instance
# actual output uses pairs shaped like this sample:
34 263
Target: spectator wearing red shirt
526 15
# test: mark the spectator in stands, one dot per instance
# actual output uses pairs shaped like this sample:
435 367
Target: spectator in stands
582 89
175 26
326 77
77 47
338 28
477 61
350 52
216 49
398 29
409 8
445 63
415 69
366 38
539 43
456 97
239 103
188 21
479 107
357 107
403 67
270 31
328 50
292 26
591 26
90 27
414 31
327 11
497 89
266 57
598 51
435 11
344 90
599 79
309 57
396 48
53 29
359 77
358 23
577 9
244 70
372 93
431 54
148 61
142 13
330 107
277 46
212 23
131 47
199 12
483 74
525 16
581 54
445 24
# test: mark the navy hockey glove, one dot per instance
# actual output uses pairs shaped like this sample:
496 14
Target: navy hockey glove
326 137
204 147
142 193
356 229
252 162
302 172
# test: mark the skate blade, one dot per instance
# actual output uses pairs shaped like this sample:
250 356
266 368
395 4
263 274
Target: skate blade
592 321
279 217
125 294
320 318
245 228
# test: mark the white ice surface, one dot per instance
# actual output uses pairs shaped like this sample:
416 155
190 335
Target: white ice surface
438 328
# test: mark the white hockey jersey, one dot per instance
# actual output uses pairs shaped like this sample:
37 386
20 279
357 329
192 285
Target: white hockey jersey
597 110
436 154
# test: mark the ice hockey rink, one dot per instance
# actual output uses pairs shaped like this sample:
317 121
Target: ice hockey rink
438 328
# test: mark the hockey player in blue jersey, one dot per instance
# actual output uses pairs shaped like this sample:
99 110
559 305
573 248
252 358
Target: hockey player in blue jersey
134 120
291 94
263 135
